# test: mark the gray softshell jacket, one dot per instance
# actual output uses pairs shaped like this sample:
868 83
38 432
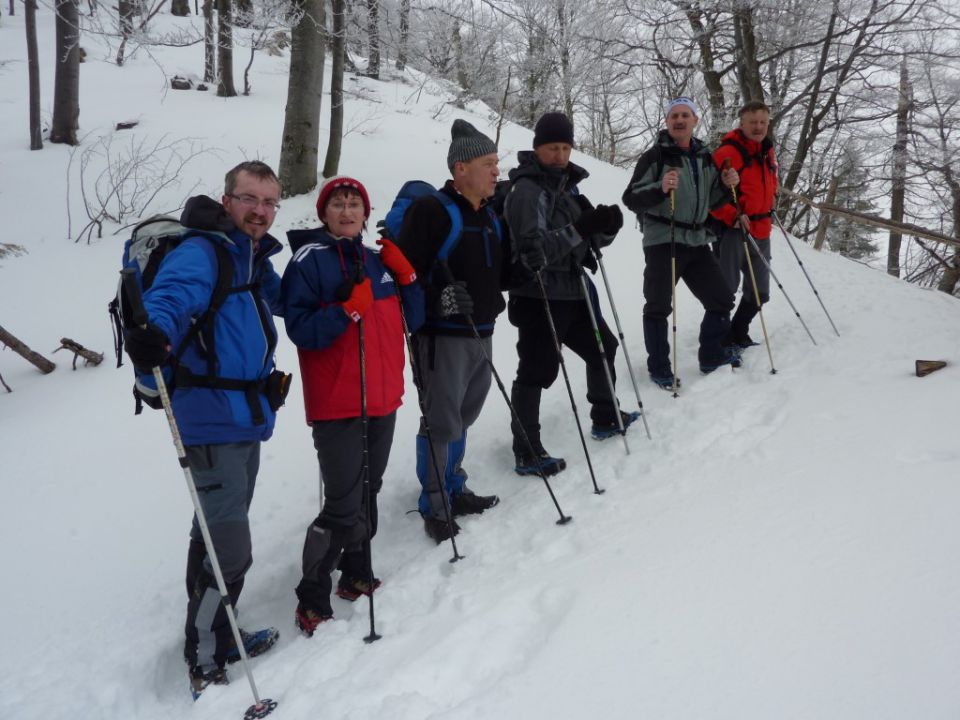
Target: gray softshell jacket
541 207
699 190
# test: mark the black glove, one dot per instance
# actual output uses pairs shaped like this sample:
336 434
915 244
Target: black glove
590 221
344 290
147 346
614 219
454 300
533 257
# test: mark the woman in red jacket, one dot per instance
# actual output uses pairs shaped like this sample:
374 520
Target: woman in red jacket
332 286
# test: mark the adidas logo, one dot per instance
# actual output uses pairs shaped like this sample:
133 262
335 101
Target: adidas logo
386 278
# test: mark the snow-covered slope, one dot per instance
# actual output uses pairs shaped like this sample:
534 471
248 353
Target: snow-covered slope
784 547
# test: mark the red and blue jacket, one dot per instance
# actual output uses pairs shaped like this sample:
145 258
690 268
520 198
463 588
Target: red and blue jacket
328 340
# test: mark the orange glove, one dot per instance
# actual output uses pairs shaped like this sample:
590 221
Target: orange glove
396 262
359 301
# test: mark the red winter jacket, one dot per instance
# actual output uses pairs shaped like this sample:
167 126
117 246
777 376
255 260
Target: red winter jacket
328 341
758 181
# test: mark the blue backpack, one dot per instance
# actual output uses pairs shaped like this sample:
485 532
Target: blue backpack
415 189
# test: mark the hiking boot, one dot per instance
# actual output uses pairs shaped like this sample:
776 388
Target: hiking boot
528 464
199 680
745 342
602 432
350 588
255 643
665 382
470 504
438 530
731 357
308 619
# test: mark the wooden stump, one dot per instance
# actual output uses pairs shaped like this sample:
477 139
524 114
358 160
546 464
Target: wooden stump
925 367
89 356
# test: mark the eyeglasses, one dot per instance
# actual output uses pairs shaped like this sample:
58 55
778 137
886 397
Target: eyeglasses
251 202
349 205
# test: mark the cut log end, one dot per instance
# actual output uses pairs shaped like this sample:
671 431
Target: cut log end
925 367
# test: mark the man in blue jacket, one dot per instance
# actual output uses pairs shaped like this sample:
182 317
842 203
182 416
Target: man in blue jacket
223 416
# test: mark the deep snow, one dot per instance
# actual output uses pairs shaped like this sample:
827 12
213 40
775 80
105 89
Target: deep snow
784 547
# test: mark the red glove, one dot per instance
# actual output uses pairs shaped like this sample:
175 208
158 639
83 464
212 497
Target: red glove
359 301
394 259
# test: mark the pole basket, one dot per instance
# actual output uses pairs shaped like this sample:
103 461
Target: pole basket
925 367
265 707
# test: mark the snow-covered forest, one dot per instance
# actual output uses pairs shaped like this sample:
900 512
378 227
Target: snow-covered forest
784 547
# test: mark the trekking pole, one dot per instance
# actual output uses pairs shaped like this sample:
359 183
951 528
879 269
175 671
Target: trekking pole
753 276
417 383
766 262
365 470
260 708
564 519
623 341
603 358
673 283
800 262
566 378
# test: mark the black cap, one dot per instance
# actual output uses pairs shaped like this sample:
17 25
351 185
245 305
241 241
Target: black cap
553 127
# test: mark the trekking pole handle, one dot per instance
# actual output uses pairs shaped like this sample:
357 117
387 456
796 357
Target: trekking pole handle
733 190
138 314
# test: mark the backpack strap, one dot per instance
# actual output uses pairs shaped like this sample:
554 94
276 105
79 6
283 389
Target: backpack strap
456 225
744 155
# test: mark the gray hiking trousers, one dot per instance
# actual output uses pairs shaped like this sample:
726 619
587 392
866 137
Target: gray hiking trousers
456 378
225 476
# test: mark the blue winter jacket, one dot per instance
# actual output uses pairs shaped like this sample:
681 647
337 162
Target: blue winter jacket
244 334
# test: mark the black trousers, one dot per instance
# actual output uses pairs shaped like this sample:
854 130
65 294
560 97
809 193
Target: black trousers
539 364
700 271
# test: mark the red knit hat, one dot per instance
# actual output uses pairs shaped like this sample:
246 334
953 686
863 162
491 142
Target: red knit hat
342 181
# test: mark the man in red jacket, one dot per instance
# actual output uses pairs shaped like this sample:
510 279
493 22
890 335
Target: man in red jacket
750 152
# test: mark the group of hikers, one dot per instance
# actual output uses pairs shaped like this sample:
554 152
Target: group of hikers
439 283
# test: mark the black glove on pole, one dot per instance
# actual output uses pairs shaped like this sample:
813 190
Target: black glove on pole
455 300
147 345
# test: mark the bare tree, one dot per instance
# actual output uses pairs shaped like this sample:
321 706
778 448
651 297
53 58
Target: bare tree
33 72
899 170
66 81
404 34
209 43
373 39
301 123
225 85
331 163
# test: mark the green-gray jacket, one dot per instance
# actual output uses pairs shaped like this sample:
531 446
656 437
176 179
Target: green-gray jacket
699 190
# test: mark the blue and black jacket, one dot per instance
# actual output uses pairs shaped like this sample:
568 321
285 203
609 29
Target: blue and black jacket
244 334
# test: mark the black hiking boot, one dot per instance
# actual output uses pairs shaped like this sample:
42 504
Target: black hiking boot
438 530
608 430
471 504
199 680
528 464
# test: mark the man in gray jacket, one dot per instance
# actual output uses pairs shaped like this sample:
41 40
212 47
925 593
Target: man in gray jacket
553 227
672 190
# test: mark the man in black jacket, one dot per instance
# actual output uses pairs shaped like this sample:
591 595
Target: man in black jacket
462 281
553 228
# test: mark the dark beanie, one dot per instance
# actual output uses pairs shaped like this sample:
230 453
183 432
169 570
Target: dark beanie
467 143
553 127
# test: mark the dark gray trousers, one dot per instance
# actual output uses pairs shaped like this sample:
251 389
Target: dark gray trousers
733 264
339 532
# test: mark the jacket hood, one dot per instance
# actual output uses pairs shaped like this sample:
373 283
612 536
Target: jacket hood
529 167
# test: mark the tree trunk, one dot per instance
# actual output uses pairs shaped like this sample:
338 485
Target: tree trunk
331 165
301 121
13 4
899 174
180 8
824 223
225 86
748 68
462 79
373 38
711 76
951 275
209 43
404 34
66 79
125 9
42 364
563 22
33 72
